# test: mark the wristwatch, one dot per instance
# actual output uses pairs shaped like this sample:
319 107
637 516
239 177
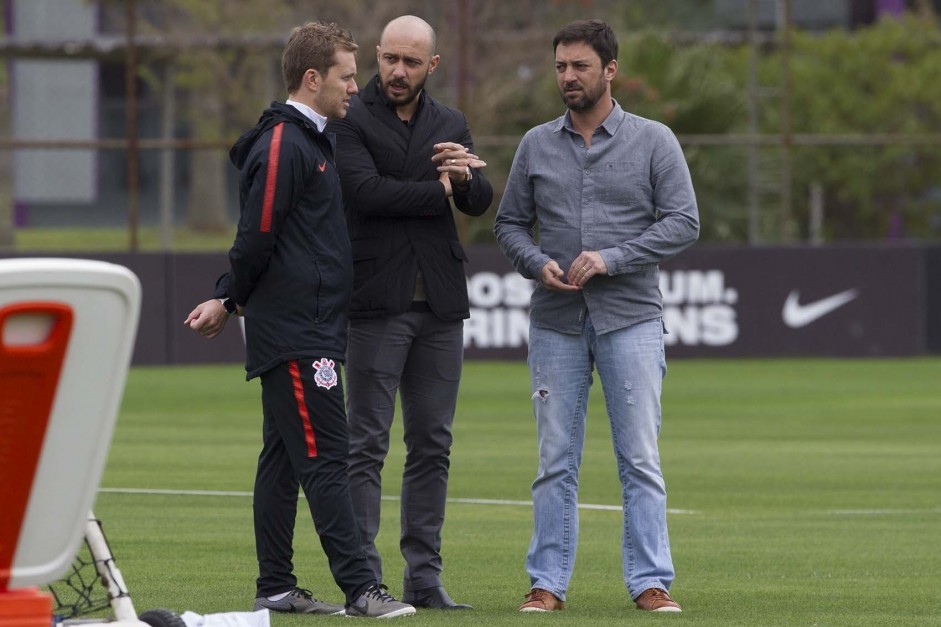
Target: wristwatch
465 184
229 305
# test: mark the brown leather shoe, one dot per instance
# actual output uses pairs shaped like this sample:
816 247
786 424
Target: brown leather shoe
657 600
539 600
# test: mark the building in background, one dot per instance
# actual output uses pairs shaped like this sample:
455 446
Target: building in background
54 99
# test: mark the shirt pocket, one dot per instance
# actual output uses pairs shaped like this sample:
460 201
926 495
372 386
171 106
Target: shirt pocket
626 184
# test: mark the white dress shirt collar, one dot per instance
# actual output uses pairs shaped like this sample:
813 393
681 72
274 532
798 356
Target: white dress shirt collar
319 121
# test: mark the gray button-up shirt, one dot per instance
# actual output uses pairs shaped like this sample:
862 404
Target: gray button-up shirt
628 196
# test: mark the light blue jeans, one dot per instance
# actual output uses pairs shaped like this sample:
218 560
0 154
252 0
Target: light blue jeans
631 365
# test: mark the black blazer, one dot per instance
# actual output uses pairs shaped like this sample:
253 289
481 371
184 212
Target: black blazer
398 216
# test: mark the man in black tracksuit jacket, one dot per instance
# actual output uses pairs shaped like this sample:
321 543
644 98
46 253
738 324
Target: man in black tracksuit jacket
291 264
291 277
401 156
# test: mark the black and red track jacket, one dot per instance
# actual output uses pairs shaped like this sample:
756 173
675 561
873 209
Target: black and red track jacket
291 266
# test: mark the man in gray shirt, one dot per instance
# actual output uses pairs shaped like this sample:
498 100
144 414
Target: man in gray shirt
611 195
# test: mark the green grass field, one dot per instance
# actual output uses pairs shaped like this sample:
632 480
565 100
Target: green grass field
115 239
810 490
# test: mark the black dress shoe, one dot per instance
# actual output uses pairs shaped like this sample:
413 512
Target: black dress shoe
434 598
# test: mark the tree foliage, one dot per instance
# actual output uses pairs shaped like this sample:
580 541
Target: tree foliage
885 79
497 66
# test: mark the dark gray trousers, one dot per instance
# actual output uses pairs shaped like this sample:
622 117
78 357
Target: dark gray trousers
419 356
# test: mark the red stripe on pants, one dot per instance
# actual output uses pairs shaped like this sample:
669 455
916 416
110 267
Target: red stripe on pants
302 410
271 180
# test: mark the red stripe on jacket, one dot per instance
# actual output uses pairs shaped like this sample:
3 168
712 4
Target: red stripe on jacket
302 410
271 180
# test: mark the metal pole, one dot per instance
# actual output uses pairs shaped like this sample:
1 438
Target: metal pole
753 152
167 120
463 67
816 214
463 41
7 225
787 140
130 79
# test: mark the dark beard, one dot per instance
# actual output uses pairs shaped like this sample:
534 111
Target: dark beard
585 101
406 98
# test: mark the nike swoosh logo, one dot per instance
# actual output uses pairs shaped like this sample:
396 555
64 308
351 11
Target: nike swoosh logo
796 315
322 166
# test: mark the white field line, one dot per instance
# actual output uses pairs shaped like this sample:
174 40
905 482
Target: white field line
591 506
607 508
882 512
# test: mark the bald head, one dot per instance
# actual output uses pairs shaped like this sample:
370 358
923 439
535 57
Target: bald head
406 56
409 29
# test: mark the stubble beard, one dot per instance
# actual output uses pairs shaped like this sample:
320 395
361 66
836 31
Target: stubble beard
584 101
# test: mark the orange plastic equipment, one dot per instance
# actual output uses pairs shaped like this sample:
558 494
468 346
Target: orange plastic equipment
25 608
29 375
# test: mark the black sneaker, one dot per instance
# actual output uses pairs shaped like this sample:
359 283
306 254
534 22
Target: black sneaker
299 601
376 602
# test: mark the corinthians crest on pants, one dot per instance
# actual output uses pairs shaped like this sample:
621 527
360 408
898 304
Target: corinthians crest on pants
326 376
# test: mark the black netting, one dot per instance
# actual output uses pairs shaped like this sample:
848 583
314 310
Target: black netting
80 592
